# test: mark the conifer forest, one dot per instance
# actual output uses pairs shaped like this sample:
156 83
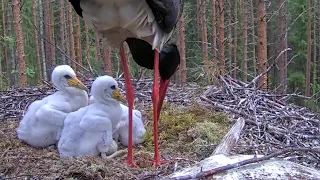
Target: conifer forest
248 84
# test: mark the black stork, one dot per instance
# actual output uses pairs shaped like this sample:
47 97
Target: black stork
146 26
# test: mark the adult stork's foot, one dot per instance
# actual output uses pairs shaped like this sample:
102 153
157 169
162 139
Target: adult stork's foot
157 160
131 163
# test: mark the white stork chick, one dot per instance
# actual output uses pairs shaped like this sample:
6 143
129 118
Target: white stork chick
88 131
122 129
120 132
44 119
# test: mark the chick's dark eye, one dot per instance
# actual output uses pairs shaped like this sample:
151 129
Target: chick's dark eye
113 87
67 77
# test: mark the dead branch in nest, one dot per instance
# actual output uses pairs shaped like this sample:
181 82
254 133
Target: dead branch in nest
245 162
255 80
230 139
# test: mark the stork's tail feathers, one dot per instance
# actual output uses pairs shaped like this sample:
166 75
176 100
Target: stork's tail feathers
160 38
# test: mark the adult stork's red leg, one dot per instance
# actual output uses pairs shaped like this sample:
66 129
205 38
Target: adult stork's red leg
130 98
163 89
155 101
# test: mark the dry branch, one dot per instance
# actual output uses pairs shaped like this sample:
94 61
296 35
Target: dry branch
255 80
230 139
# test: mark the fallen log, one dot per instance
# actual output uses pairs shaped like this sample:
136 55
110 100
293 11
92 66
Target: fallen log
248 167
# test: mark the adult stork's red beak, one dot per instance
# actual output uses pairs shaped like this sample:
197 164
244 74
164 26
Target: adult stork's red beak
164 83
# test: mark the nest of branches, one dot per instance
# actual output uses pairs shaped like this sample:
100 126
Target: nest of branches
14 102
19 158
270 123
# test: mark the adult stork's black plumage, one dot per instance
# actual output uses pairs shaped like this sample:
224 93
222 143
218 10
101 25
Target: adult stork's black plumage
146 26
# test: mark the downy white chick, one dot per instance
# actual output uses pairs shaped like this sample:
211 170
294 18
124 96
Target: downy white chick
44 119
88 131
121 131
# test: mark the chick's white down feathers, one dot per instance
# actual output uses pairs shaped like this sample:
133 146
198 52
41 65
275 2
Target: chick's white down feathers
121 131
44 119
88 131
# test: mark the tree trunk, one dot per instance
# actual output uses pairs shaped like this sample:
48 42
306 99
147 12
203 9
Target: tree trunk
107 59
214 30
71 38
262 44
182 45
87 43
318 63
221 38
198 16
235 50
78 43
230 36
254 59
282 64
42 47
204 36
52 41
62 32
245 41
67 35
12 65
5 49
47 33
286 42
98 53
19 36
307 88
314 76
36 39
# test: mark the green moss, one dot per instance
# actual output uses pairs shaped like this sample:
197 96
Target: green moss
212 131
148 139
180 123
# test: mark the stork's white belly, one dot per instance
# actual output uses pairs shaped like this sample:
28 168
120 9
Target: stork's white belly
119 19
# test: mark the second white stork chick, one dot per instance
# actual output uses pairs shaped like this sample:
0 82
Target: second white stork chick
120 132
88 131
43 121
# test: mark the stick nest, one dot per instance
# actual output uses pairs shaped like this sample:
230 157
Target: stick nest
271 123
